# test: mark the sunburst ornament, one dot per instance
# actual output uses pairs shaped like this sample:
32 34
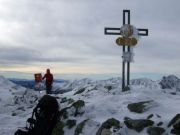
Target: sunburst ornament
129 36
127 30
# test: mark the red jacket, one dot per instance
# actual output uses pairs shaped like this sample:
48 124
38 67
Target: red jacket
49 78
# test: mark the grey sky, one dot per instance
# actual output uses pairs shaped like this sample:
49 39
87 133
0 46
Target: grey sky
68 36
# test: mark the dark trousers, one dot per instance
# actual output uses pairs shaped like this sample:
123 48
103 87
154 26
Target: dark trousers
48 89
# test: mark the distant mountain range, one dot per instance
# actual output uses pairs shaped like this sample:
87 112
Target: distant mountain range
29 83
167 82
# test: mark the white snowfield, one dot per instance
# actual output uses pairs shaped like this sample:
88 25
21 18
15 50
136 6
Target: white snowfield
16 104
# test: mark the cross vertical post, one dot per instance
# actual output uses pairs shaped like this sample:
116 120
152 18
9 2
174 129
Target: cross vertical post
126 20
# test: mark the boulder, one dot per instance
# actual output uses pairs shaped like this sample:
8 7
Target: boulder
108 87
176 125
58 129
105 127
70 123
138 124
160 123
150 116
126 88
80 127
80 91
74 110
175 132
170 82
174 120
155 130
78 105
106 132
140 107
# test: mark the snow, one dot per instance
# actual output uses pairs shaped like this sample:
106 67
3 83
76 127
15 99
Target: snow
100 103
13 99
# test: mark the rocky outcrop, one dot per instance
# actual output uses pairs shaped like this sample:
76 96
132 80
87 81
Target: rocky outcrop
144 82
80 91
140 107
80 127
170 82
74 110
107 125
175 123
138 124
68 100
174 120
70 123
155 130
108 87
58 129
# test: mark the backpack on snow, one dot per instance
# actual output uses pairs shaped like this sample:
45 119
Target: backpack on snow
44 118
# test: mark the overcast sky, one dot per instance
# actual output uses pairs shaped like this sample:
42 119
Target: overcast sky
68 36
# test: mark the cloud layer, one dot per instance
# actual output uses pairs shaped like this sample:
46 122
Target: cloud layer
68 36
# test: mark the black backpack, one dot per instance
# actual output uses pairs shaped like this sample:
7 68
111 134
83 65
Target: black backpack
44 117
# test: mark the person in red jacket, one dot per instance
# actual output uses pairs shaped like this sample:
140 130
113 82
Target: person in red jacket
49 81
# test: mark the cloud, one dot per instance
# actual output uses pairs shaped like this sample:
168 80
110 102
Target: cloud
71 33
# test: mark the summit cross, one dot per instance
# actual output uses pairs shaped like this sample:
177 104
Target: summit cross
118 31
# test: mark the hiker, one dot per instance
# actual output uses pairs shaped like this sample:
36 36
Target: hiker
49 81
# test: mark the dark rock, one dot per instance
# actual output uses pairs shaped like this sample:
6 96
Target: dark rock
160 124
78 105
13 114
71 123
170 82
177 125
58 129
63 100
139 107
127 88
158 116
80 127
108 124
150 116
111 122
175 131
174 120
127 118
70 100
106 132
63 113
138 124
173 93
80 91
109 87
21 108
61 91
155 130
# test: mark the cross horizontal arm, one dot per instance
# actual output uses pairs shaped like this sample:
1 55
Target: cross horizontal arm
143 32
112 31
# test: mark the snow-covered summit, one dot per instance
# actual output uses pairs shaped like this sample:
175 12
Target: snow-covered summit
103 100
170 82
146 83
5 82
15 104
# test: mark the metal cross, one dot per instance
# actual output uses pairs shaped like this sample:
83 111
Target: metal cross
117 31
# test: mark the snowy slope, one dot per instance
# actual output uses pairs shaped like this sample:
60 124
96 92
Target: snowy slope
102 103
103 100
16 104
